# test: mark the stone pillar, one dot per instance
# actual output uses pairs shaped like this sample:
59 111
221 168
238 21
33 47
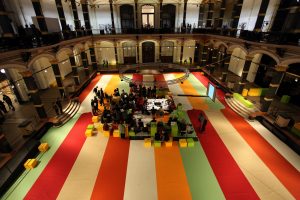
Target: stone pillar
236 14
181 51
61 16
204 55
160 14
93 58
76 19
137 50
58 78
116 53
5 24
86 17
210 15
40 16
261 15
246 68
85 62
112 17
160 42
184 12
34 93
277 76
74 69
222 14
201 15
226 65
136 14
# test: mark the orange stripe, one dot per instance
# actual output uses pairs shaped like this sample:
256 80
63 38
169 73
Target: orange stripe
170 175
197 102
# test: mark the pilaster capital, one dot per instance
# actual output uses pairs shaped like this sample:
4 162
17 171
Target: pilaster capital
26 74
281 68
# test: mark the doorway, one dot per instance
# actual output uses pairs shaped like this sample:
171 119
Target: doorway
127 18
148 52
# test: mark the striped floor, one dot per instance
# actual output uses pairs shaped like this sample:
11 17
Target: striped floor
234 158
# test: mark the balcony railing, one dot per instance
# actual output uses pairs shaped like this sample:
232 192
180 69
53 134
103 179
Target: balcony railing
7 44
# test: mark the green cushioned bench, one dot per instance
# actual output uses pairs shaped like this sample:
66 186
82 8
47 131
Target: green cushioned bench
90 126
191 142
242 100
157 143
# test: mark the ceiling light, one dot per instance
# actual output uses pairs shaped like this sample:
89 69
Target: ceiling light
2 71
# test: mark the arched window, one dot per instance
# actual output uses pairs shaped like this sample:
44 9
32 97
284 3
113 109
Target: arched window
167 49
129 49
148 16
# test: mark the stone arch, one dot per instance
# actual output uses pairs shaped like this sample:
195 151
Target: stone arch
50 57
269 53
290 60
234 46
67 49
220 43
14 65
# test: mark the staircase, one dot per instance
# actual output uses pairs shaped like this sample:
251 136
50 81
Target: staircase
68 113
239 108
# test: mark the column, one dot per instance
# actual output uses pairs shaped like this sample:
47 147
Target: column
226 65
74 69
116 53
93 58
201 15
204 55
112 17
5 24
61 16
136 14
246 68
236 14
58 78
210 15
86 17
243 79
160 38
184 12
277 76
34 93
222 14
137 50
261 15
85 62
160 14
181 50
40 16
76 19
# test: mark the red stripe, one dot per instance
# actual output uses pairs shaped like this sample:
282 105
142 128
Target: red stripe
89 88
280 167
110 183
230 177
137 78
50 182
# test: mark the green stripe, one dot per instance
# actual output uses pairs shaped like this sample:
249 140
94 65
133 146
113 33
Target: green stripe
201 89
202 181
54 137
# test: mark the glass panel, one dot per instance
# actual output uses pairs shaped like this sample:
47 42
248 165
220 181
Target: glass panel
151 20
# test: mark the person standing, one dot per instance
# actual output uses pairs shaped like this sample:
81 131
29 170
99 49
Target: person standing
58 102
9 102
55 108
2 107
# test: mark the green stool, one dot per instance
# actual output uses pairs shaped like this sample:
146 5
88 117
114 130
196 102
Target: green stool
191 142
157 143
285 99
90 126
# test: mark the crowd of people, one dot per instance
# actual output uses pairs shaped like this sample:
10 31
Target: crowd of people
119 110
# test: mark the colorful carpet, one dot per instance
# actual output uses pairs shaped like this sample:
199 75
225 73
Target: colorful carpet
230 161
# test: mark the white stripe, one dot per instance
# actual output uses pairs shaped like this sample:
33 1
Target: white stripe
280 146
80 182
176 89
86 104
264 182
141 173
